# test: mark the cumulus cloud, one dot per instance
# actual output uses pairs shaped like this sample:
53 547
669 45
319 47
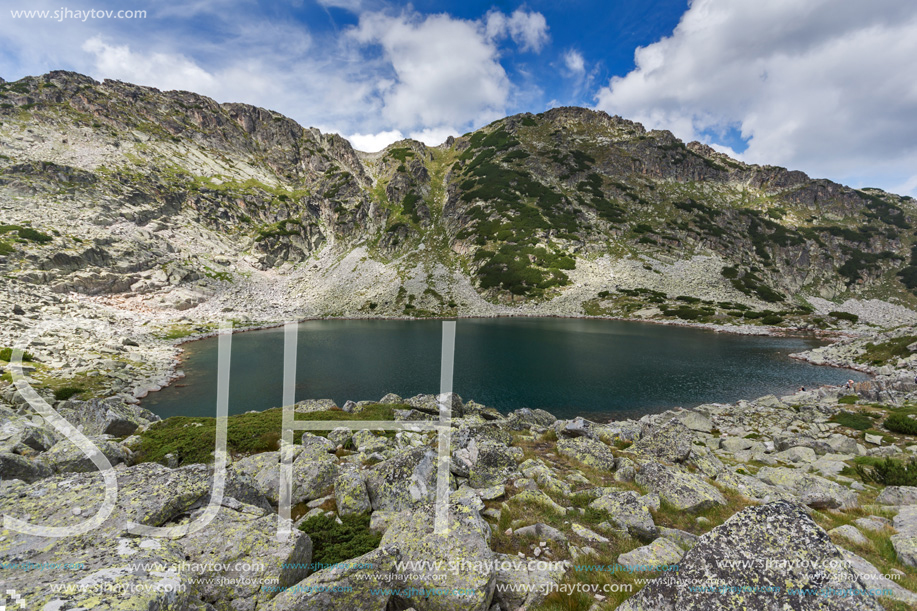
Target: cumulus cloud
823 86
529 30
434 136
574 62
446 70
372 143
167 71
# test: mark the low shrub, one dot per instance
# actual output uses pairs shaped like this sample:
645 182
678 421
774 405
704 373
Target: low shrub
848 400
900 423
859 422
844 316
6 354
890 472
66 392
333 542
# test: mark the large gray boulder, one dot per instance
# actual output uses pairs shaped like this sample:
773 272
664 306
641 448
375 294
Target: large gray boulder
535 578
591 452
491 465
66 456
682 490
403 480
462 551
670 442
238 552
760 558
812 490
628 511
662 552
314 472
905 541
110 416
358 584
21 435
350 494
898 495
14 466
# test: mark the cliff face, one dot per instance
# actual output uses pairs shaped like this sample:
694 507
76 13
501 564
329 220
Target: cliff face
111 188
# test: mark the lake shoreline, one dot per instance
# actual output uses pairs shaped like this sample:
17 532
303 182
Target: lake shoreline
177 372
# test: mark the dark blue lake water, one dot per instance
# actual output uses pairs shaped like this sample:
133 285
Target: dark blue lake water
594 368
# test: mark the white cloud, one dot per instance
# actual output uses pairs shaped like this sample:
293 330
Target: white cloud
371 143
574 61
166 71
434 136
527 29
823 86
353 6
446 71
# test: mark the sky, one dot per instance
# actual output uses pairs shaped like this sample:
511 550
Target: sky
824 86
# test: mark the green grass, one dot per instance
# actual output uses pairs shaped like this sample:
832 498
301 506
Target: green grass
893 349
858 422
26 233
192 439
333 542
6 354
848 400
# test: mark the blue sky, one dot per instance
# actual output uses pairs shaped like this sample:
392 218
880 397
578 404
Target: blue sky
825 86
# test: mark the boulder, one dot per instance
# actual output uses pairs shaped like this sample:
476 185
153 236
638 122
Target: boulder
314 471
869 574
670 442
238 552
627 511
20 435
661 552
812 490
758 559
14 466
110 416
355 585
536 579
905 542
369 442
525 418
493 465
590 452
850 533
350 494
682 490
66 456
695 421
463 552
407 478
898 495
542 532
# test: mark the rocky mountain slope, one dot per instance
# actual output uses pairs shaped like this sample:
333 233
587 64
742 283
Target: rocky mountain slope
163 212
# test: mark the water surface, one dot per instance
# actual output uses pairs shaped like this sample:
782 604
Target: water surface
595 368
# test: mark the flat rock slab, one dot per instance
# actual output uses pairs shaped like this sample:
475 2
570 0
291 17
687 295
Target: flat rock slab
756 560
898 495
627 510
662 551
682 490
670 442
591 452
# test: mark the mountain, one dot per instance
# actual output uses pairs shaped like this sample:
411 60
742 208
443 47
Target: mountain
169 200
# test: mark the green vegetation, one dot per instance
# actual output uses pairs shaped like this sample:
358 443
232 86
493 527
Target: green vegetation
844 316
890 472
333 542
6 354
849 400
66 392
858 422
893 349
409 206
901 423
26 233
192 439
402 154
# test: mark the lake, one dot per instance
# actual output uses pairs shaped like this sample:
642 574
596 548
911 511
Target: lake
600 369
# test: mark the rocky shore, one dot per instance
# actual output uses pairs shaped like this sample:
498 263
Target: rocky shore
753 502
